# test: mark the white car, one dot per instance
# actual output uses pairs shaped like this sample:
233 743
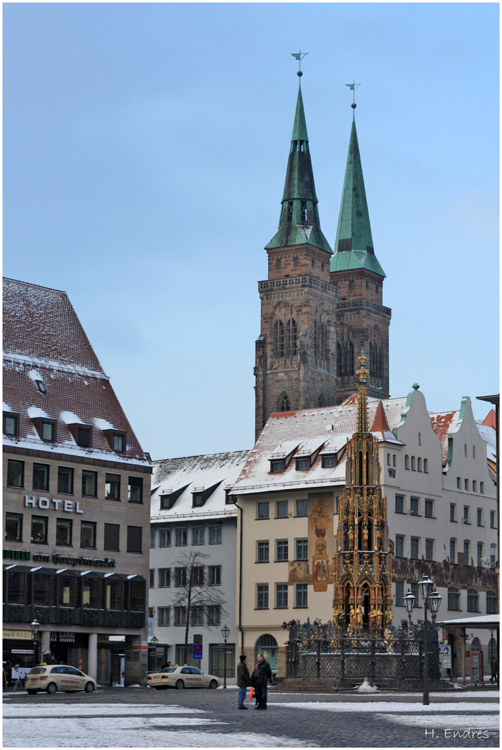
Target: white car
59 677
182 677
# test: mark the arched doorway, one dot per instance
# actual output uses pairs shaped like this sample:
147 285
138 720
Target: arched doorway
269 648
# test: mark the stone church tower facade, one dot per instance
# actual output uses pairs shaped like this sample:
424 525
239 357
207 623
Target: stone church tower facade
319 308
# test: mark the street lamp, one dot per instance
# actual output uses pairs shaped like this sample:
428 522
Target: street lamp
409 601
432 601
225 632
154 640
35 625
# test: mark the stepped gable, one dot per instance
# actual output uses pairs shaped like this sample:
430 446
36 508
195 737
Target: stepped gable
441 424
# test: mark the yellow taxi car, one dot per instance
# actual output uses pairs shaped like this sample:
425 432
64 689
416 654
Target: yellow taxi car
61 677
182 677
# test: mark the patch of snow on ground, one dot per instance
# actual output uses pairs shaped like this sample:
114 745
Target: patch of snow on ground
367 688
394 707
452 721
35 710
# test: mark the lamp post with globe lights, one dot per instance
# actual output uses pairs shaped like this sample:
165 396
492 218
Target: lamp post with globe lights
432 601
225 632
35 625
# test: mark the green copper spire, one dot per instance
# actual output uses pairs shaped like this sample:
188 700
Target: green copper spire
299 221
354 243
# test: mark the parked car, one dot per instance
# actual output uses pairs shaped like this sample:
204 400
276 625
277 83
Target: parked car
182 677
61 677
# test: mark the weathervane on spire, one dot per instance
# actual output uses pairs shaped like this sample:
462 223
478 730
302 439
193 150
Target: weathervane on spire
299 56
353 86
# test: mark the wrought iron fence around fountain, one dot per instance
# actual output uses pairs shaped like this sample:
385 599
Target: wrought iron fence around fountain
317 650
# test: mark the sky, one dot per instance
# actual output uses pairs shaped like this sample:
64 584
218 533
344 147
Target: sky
144 152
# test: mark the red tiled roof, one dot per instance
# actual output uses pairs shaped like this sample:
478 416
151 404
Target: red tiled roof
491 419
380 423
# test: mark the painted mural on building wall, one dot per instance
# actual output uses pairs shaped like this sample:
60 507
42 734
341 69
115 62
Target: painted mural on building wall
444 575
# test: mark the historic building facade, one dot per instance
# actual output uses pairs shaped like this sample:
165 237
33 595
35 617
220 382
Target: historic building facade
319 308
441 516
76 490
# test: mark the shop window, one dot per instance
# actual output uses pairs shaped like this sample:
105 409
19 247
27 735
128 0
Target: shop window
90 593
16 587
114 595
66 591
43 590
137 593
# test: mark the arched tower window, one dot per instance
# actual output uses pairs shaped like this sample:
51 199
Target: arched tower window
279 338
350 358
283 402
291 338
321 401
339 359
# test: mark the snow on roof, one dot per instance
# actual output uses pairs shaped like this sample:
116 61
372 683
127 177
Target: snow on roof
190 472
334 425
490 437
444 423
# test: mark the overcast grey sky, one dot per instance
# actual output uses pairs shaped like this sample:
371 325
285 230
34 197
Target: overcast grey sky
145 150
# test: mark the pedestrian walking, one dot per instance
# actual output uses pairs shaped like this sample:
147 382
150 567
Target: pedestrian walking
262 675
243 681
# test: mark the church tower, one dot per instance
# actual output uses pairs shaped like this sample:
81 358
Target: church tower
362 572
295 366
362 320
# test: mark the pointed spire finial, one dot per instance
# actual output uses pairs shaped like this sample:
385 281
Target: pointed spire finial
353 86
362 411
299 56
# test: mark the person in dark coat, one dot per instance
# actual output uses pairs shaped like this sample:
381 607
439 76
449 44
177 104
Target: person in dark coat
243 681
262 675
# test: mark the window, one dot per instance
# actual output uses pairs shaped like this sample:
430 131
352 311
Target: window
197 616
453 511
112 487
282 509
40 477
399 503
181 537
83 436
415 592
466 514
413 463
88 534
40 386
281 597
465 450
467 553
198 535
48 431
399 593
134 539
466 485
414 506
164 577
163 617
119 442
112 536
135 490
388 459
419 464
10 424
67 594
482 488
454 599
492 519
303 464
90 593
214 575
165 538
414 546
39 526
302 508
262 551
453 551
426 465
278 262
277 467
213 615
302 549
180 577
328 462
459 483
474 485
429 508
263 510
198 575
479 517
230 499
480 554
15 473
215 535
399 546
429 549
13 527
406 462
65 480
262 596
472 600
152 578
301 595
89 483
282 550
492 554
180 616
64 531
198 501
491 603
152 538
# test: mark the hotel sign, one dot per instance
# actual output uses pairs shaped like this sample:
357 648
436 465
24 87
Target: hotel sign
67 506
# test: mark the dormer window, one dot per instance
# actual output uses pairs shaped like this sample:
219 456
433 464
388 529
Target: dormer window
118 442
197 500
48 431
84 436
10 424
277 467
328 462
40 386
200 495
230 499
303 464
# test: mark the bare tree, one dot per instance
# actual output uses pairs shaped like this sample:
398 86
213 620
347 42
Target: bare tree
199 597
